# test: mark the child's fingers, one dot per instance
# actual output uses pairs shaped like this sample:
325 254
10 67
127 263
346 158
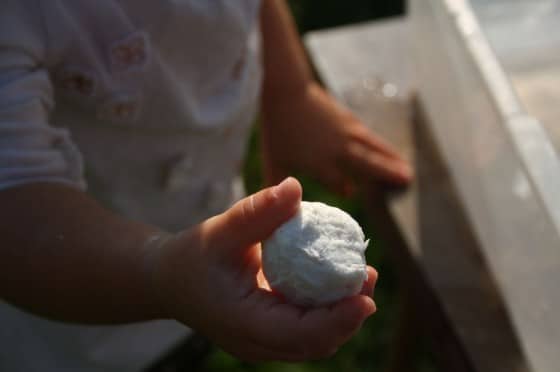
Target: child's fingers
316 333
352 312
364 135
368 163
369 284
254 218
326 330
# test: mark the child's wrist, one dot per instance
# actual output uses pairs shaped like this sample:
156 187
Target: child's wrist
286 96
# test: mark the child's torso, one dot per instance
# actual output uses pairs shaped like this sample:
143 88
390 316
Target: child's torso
158 97
159 100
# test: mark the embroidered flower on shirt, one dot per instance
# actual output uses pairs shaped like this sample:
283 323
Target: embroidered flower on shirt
131 52
120 108
77 81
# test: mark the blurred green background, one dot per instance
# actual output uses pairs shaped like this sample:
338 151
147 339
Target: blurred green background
370 349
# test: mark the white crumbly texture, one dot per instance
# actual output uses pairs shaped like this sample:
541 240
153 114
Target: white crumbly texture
317 257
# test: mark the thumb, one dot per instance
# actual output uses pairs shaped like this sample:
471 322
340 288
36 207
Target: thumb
255 218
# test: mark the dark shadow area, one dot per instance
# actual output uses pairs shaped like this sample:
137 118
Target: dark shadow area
317 14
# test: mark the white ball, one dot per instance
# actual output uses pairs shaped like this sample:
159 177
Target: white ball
317 257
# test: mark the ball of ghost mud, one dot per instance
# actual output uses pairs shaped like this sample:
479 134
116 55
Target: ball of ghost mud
317 257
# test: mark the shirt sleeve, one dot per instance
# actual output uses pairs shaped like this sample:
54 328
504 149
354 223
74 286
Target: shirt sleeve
31 150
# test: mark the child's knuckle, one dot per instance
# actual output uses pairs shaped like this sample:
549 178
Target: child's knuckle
247 210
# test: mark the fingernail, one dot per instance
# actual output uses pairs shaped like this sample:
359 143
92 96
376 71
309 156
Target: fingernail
374 310
281 188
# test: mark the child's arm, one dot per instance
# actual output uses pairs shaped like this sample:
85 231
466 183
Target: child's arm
324 139
65 257
228 300
61 254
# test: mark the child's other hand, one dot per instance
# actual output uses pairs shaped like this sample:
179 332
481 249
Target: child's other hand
210 278
311 133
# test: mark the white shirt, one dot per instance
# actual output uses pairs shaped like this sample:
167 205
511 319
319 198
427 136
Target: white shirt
146 103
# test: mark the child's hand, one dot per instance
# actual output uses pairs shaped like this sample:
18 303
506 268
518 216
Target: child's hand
210 278
312 133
